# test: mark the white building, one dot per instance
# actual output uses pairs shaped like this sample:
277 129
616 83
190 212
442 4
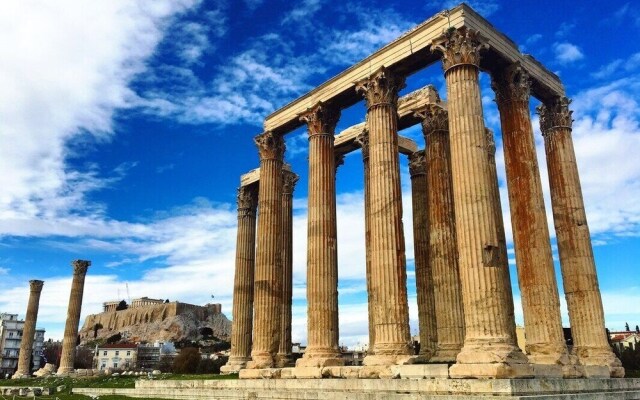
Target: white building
116 356
10 338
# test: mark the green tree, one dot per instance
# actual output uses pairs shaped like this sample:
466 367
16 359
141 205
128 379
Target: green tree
187 361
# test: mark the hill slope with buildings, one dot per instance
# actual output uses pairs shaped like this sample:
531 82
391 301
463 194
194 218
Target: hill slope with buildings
150 320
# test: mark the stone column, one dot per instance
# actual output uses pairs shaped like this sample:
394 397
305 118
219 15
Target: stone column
574 243
243 280
73 317
322 252
388 265
289 180
268 272
29 330
363 141
538 288
424 277
502 239
443 254
489 349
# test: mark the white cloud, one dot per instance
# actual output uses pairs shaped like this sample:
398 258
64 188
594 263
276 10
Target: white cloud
62 81
567 53
4 271
618 65
485 8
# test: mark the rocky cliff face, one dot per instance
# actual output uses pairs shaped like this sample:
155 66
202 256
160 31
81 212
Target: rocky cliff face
164 322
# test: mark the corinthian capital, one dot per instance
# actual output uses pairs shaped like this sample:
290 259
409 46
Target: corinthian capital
289 180
321 119
417 163
36 285
80 266
555 114
381 88
459 46
247 199
434 118
363 140
511 84
270 146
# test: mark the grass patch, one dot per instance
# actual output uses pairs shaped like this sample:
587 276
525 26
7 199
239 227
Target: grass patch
630 373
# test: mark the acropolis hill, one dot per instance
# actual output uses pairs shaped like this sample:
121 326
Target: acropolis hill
148 320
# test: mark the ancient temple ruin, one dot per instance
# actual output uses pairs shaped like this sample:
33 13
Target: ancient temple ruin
465 301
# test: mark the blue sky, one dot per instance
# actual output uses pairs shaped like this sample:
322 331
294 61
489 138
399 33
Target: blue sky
125 126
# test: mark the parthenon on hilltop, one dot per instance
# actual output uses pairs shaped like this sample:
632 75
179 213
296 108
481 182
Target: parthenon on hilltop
465 301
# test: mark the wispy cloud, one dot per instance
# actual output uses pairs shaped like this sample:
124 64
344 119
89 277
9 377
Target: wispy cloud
618 65
484 8
567 53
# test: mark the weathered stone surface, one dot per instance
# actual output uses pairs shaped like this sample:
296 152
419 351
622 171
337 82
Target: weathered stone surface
488 336
268 272
536 275
322 248
29 329
73 316
579 274
443 252
421 371
260 373
388 263
243 280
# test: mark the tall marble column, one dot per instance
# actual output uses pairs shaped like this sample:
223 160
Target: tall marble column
388 265
502 239
73 317
574 242
489 349
243 280
268 273
29 330
443 253
538 288
289 180
363 141
424 277
322 251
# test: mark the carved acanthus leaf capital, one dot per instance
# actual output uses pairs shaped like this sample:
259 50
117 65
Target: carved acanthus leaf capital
247 199
459 46
321 119
491 143
80 266
289 180
382 87
363 140
434 118
270 146
36 285
555 114
511 84
417 163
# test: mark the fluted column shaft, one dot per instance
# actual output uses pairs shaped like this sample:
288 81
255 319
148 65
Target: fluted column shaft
73 316
489 346
322 249
574 242
424 277
538 287
443 253
388 264
289 180
268 272
502 239
243 281
363 140
29 330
